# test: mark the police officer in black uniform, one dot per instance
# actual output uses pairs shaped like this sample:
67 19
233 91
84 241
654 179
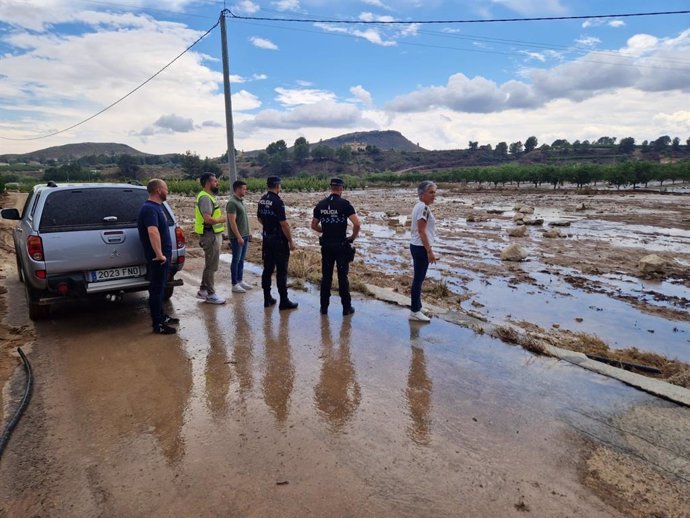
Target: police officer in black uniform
330 219
277 243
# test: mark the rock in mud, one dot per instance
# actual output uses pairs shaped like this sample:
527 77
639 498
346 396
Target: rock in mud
652 263
513 252
520 231
551 234
530 221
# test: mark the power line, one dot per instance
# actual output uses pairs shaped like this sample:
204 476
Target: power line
493 20
124 96
527 45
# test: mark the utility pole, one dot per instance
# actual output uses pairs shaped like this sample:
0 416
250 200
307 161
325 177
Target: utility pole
232 166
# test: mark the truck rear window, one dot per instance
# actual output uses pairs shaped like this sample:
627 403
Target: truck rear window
90 209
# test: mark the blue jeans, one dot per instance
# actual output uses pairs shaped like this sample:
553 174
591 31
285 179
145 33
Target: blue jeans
420 262
158 277
237 263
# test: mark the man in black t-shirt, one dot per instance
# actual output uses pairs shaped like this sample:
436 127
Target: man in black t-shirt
152 224
276 243
330 219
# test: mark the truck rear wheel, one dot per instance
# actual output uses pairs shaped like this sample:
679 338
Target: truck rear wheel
20 274
36 310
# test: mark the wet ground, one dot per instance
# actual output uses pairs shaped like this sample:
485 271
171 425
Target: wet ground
256 412
587 281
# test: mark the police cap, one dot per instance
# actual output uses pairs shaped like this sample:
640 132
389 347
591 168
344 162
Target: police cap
272 181
337 182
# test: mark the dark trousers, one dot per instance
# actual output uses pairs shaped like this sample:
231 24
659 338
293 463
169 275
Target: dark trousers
420 261
158 277
337 256
275 253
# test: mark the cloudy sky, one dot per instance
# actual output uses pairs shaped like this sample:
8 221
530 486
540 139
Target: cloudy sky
441 85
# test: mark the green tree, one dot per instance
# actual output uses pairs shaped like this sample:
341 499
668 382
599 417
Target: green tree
501 150
300 151
473 145
531 144
128 166
606 141
343 154
675 144
192 165
516 148
277 148
322 152
626 145
662 143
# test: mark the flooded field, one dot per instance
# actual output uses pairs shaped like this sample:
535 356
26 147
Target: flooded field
586 280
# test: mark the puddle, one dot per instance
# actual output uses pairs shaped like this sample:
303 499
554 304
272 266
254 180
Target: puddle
554 301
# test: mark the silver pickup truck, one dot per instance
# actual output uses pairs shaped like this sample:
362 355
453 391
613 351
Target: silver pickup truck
79 240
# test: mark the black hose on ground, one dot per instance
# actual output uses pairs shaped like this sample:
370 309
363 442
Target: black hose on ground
22 406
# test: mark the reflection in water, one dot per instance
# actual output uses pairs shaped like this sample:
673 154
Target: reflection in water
279 377
121 399
337 395
243 352
217 373
418 393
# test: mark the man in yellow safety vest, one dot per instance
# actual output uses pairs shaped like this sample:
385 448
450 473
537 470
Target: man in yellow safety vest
209 224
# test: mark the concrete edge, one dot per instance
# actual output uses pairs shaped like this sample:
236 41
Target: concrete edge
652 386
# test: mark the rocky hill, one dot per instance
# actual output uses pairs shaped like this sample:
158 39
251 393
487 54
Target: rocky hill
385 140
74 151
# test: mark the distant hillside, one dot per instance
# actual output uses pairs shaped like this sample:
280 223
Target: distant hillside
75 151
385 140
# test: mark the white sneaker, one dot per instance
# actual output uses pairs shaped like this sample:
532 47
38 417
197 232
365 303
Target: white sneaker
202 294
419 316
215 299
237 288
246 285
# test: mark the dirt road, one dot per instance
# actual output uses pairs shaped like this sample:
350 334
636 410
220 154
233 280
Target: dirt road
256 412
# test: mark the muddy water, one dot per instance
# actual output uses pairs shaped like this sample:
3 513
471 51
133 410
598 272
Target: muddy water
607 305
254 411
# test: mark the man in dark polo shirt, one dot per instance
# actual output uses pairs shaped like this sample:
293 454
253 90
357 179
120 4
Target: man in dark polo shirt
154 235
330 219
276 245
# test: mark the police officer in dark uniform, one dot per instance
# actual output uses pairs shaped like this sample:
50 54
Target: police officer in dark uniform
330 219
277 243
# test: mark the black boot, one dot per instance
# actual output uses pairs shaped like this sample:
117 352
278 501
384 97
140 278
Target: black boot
287 304
268 299
348 311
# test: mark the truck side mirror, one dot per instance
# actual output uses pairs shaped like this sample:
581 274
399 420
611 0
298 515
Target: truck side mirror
10 214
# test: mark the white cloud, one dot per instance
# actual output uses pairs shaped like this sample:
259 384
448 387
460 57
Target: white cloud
371 17
246 7
302 82
377 3
263 43
245 101
646 63
533 7
409 30
616 24
295 97
372 35
588 41
323 114
286 5
360 93
175 123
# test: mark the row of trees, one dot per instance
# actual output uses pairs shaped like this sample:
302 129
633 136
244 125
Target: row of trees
278 159
581 175
561 146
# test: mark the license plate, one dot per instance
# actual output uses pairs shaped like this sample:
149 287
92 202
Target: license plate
117 273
